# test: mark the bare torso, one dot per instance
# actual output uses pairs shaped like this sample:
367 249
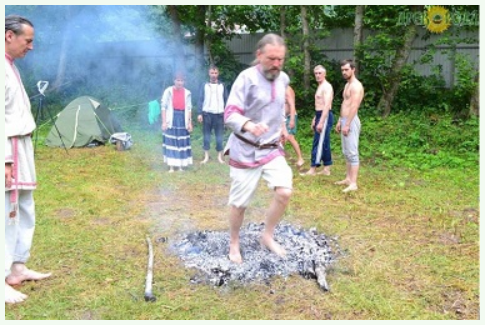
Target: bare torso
324 96
352 97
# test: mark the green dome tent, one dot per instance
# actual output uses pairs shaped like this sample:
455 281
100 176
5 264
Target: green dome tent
83 121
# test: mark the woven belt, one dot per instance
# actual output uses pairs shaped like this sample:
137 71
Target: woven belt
257 145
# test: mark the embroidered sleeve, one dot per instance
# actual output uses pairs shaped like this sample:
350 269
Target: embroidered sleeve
234 113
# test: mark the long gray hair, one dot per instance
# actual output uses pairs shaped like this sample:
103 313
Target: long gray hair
272 39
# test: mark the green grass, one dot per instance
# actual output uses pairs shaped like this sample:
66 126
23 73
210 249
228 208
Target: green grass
409 238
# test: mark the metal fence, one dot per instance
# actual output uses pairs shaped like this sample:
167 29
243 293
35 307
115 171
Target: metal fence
340 45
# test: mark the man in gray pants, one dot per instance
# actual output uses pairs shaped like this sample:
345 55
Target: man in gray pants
348 124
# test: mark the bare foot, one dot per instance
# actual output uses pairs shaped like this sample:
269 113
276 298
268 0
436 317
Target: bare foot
205 160
351 187
308 173
221 160
170 170
13 296
344 182
273 246
21 273
324 171
235 255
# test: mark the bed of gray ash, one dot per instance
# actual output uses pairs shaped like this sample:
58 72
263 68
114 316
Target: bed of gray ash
308 253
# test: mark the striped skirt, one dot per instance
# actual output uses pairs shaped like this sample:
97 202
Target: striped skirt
177 151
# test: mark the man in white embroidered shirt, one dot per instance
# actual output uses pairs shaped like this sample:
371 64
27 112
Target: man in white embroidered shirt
255 112
20 177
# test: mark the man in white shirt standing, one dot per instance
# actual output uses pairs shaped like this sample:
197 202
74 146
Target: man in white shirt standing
20 177
212 99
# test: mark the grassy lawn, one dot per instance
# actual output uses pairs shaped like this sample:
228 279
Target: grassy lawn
410 238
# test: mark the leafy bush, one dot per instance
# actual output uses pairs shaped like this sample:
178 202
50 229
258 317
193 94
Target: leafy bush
420 141
414 140
418 93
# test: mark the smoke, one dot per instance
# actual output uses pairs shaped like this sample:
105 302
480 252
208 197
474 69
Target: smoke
103 51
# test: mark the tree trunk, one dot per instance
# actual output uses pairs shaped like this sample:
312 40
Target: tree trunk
200 38
283 22
306 48
475 100
178 49
400 59
208 39
358 35
283 34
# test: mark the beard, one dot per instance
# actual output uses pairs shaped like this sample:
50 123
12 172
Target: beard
271 75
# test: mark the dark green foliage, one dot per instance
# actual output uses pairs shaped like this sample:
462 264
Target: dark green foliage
411 139
430 94
461 93
418 93
420 141
129 82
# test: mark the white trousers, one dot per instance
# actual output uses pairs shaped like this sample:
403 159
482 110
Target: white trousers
245 181
19 235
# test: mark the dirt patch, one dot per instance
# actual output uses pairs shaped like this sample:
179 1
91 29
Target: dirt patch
186 208
448 238
177 211
66 213
102 221
455 302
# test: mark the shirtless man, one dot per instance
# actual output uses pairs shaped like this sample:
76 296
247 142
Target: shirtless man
322 124
349 124
292 123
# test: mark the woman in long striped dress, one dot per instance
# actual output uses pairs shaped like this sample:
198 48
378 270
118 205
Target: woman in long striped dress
176 107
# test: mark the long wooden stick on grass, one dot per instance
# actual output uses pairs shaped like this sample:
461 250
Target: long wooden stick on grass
149 296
